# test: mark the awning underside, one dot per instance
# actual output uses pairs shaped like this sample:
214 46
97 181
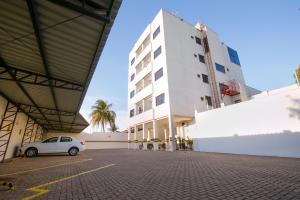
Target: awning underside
49 50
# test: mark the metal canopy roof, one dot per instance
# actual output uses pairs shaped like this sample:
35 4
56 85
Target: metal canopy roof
48 53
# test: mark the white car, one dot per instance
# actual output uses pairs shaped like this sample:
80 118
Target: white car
60 144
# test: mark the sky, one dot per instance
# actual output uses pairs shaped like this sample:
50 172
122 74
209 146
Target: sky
265 33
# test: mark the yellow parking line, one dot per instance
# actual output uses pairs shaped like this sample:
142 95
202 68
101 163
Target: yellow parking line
41 168
41 191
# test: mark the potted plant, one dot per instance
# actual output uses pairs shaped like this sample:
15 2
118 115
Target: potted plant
189 142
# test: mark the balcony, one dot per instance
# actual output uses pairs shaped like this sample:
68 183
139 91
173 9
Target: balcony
142 117
142 93
143 46
147 80
145 54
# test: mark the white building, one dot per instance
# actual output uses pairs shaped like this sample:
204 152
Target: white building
176 69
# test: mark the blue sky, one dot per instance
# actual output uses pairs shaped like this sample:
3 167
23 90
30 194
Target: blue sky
265 33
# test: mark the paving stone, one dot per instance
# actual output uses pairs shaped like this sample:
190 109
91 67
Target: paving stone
157 175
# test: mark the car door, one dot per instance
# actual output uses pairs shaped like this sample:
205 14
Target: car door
65 143
49 145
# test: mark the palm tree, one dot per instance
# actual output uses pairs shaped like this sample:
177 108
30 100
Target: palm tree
102 114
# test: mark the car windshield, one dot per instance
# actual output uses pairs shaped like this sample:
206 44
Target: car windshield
51 140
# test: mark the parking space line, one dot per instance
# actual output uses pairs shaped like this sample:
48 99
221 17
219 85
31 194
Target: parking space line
41 168
41 191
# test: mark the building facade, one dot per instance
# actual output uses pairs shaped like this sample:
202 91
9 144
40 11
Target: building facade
175 70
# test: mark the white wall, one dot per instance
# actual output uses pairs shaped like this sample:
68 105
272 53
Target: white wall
17 132
98 140
275 112
105 140
282 144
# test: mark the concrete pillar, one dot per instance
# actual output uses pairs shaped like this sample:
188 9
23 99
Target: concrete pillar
129 132
166 136
135 137
148 135
155 134
144 131
172 133
154 123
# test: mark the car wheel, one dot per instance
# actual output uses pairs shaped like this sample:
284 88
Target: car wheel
73 151
32 152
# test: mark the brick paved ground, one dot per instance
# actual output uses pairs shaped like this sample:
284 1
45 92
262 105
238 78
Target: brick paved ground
157 175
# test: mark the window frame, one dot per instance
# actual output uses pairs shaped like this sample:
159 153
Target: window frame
132 61
158 74
157 52
220 68
233 56
156 32
131 113
208 100
132 93
201 58
204 78
198 40
159 101
132 77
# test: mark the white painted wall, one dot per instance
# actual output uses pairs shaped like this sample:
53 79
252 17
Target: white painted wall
98 140
105 140
17 133
268 118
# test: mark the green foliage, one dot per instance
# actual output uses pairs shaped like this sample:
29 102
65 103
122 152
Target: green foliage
189 141
103 115
297 75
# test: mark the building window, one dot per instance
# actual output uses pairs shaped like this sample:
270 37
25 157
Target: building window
202 99
205 78
198 40
132 77
160 99
131 94
158 74
132 61
156 32
140 109
195 55
222 87
157 52
192 37
234 58
198 75
131 114
208 100
220 68
201 58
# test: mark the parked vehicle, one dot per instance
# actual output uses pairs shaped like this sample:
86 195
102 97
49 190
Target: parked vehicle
60 144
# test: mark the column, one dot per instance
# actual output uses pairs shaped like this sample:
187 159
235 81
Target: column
172 133
155 134
144 137
166 135
144 132
129 131
154 123
135 137
148 136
